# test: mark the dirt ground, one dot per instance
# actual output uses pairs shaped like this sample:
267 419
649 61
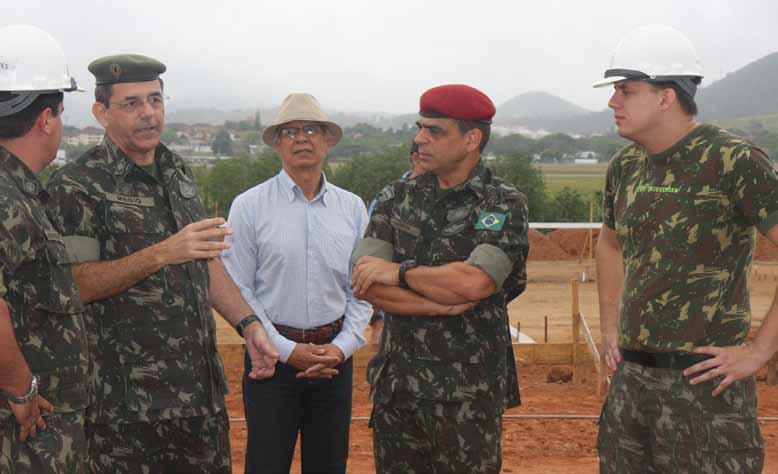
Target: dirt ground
539 446
552 446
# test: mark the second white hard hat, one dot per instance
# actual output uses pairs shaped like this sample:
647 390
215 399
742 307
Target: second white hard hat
653 52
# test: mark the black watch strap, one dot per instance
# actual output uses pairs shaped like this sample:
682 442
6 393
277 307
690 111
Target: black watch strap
245 322
406 265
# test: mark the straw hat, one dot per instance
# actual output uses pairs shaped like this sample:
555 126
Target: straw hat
301 107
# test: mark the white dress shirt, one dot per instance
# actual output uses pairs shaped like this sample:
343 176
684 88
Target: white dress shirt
291 258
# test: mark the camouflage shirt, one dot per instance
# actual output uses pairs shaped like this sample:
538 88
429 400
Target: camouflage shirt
36 283
451 358
685 220
154 345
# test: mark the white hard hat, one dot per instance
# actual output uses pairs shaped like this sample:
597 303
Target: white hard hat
31 63
655 53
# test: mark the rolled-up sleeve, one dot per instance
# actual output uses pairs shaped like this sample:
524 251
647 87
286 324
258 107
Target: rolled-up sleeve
73 211
499 252
378 238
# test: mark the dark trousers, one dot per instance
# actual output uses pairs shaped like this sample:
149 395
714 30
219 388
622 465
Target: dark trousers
278 407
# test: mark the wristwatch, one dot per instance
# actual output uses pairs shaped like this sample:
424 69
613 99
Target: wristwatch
245 322
32 393
406 265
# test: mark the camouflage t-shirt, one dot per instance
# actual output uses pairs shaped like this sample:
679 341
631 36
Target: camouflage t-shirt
42 298
451 358
685 220
154 345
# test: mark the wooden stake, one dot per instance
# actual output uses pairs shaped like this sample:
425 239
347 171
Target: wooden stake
576 312
591 219
772 371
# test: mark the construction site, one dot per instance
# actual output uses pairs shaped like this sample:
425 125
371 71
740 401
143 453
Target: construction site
563 386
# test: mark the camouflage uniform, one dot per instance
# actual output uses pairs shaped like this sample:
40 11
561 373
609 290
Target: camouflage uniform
154 345
684 219
440 384
47 317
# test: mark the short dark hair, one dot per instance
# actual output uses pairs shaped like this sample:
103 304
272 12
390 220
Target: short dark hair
684 99
485 128
103 92
19 124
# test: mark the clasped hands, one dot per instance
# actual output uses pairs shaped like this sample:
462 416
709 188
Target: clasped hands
316 361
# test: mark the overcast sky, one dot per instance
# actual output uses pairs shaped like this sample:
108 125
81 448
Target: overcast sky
381 55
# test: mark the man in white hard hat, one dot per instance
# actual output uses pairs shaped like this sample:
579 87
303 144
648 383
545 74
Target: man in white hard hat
680 207
43 353
293 237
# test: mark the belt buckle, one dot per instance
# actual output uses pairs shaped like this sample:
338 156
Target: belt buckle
302 331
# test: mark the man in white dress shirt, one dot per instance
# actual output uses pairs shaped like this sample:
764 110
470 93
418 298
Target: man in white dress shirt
293 236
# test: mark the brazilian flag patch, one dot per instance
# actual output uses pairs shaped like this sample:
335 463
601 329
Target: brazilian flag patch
490 221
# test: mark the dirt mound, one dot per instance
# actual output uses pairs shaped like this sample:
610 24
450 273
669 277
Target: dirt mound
765 250
574 241
543 248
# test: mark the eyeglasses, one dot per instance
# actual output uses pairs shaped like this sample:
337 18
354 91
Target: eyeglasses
134 105
290 133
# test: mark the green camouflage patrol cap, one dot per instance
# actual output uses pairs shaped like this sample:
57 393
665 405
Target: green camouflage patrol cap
125 68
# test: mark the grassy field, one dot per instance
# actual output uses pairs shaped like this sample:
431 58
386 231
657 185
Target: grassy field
586 179
566 169
587 186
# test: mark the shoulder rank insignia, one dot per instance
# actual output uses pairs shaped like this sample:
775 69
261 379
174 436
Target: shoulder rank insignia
490 221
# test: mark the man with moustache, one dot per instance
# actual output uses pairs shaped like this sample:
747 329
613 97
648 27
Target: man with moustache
148 261
673 261
43 350
443 255
293 237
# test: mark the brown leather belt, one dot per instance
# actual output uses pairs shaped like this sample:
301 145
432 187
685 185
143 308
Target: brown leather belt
317 335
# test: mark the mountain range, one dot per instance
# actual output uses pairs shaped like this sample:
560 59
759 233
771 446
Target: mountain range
749 91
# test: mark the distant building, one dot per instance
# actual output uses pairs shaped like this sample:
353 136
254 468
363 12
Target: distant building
61 158
88 136
586 155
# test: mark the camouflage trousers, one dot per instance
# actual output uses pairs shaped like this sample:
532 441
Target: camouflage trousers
654 421
414 436
60 448
177 446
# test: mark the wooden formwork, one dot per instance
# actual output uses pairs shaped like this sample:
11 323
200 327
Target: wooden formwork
525 354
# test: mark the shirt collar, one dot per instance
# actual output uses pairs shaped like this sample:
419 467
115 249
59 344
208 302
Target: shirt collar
479 178
25 179
292 191
121 165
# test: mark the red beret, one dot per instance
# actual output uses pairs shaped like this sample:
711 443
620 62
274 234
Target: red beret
457 101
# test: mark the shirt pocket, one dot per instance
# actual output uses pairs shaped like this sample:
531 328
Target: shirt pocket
130 229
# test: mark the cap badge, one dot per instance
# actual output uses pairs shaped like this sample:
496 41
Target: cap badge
116 71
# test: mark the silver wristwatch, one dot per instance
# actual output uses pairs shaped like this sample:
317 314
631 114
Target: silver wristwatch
32 393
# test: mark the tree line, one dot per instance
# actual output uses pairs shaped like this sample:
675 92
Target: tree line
366 174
